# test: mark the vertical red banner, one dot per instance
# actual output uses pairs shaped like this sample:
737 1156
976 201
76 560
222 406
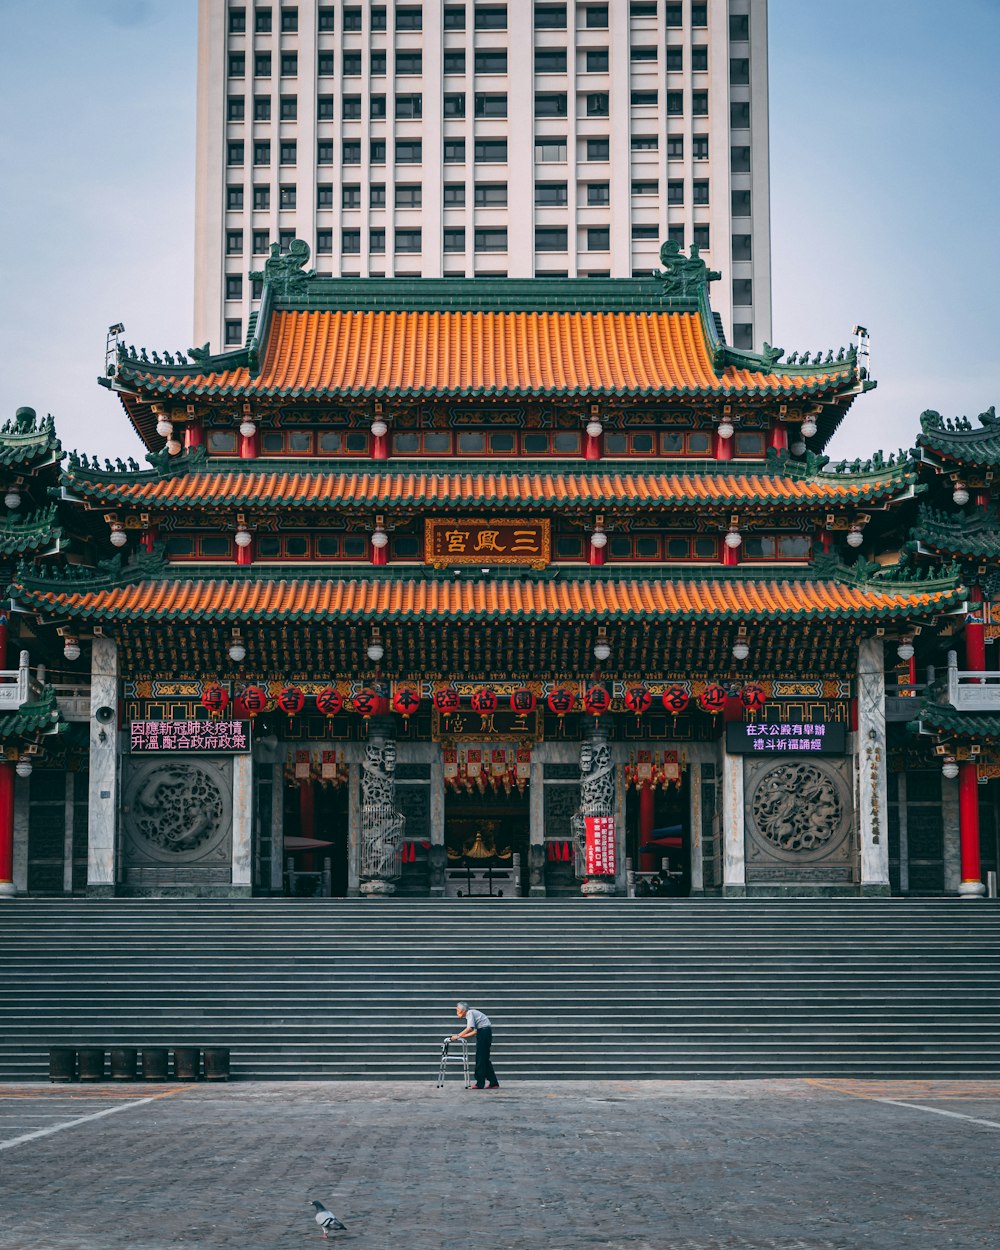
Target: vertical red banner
600 859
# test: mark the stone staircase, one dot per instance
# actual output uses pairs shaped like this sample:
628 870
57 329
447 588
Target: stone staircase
350 990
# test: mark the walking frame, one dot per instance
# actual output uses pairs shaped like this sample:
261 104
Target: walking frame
443 1068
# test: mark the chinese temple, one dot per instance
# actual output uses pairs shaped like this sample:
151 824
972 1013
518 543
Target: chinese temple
469 587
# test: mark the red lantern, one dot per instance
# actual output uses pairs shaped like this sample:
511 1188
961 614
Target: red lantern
446 701
675 699
753 697
369 702
291 700
215 699
523 702
561 701
249 701
596 700
712 698
328 701
485 701
638 700
405 701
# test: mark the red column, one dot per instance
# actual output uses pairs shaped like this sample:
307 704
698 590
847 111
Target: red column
593 446
968 824
6 797
730 555
596 555
649 861
148 537
244 555
380 446
723 449
777 437
194 435
975 634
248 447
380 555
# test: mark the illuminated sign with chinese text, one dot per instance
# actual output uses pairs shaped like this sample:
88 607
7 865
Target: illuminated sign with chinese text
188 737
507 540
783 739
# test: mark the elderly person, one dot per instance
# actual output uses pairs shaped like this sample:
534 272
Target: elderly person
477 1025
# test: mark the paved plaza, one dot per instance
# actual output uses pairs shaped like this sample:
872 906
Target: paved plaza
698 1165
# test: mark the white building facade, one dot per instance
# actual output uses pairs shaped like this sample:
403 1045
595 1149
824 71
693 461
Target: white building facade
524 139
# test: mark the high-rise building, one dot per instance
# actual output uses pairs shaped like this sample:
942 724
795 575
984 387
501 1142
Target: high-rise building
524 139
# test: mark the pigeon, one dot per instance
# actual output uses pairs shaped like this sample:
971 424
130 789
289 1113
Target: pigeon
326 1219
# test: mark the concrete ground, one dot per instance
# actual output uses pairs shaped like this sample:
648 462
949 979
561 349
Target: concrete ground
694 1165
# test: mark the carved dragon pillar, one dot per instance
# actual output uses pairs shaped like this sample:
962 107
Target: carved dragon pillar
597 798
382 824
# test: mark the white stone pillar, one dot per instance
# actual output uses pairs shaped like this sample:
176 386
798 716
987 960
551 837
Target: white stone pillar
243 821
870 760
951 833
353 830
22 809
734 860
536 827
694 795
103 791
68 833
438 855
277 827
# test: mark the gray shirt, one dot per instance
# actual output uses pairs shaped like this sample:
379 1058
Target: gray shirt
476 1020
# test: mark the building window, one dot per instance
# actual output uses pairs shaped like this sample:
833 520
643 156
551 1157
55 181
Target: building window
376 195
234 198
645 143
491 17
649 186
408 195
454 104
377 18
598 239
376 152
551 194
409 151
289 64
237 65
649 55
491 61
490 105
289 20
454 62
324 242
350 242
699 15
262 21
410 19
743 335
739 28
598 104
409 106
262 197
645 232
742 292
491 240
676 235
598 194
675 60
408 241
234 333
351 105
550 239
739 160
261 242
699 147
454 151
262 153
742 247
739 72
675 147
739 116
352 19
324 152
235 108
325 64
550 60
328 17
675 103
598 149
237 21
645 8
699 103
351 152
454 17
234 242
454 240
262 108
699 59
490 151
285 239
376 106
324 108
675 191
699 191
550 17
234 152
288 152
596 17
376 242
286 197
352 64
289 108
490 194
262 65
701 236
408 64
741 203
377 63
454 194
550 104
674 15
597 61
645 99
350 195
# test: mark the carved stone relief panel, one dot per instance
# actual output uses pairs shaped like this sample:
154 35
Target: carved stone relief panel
178 813
799 821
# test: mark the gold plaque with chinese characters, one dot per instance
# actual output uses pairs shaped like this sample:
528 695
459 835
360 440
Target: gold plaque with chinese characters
484 542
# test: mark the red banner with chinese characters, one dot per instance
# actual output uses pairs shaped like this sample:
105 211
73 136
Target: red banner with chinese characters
600 845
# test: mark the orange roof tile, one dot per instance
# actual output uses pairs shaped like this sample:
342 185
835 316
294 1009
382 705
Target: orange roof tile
438 599
361 353
265 489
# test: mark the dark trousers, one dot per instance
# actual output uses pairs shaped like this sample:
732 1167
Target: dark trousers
484 1066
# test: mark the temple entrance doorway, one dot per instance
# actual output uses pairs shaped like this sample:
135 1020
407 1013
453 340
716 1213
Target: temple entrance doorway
658 838
315 838
483 830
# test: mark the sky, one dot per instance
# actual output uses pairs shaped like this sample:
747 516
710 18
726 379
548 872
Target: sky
885 177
